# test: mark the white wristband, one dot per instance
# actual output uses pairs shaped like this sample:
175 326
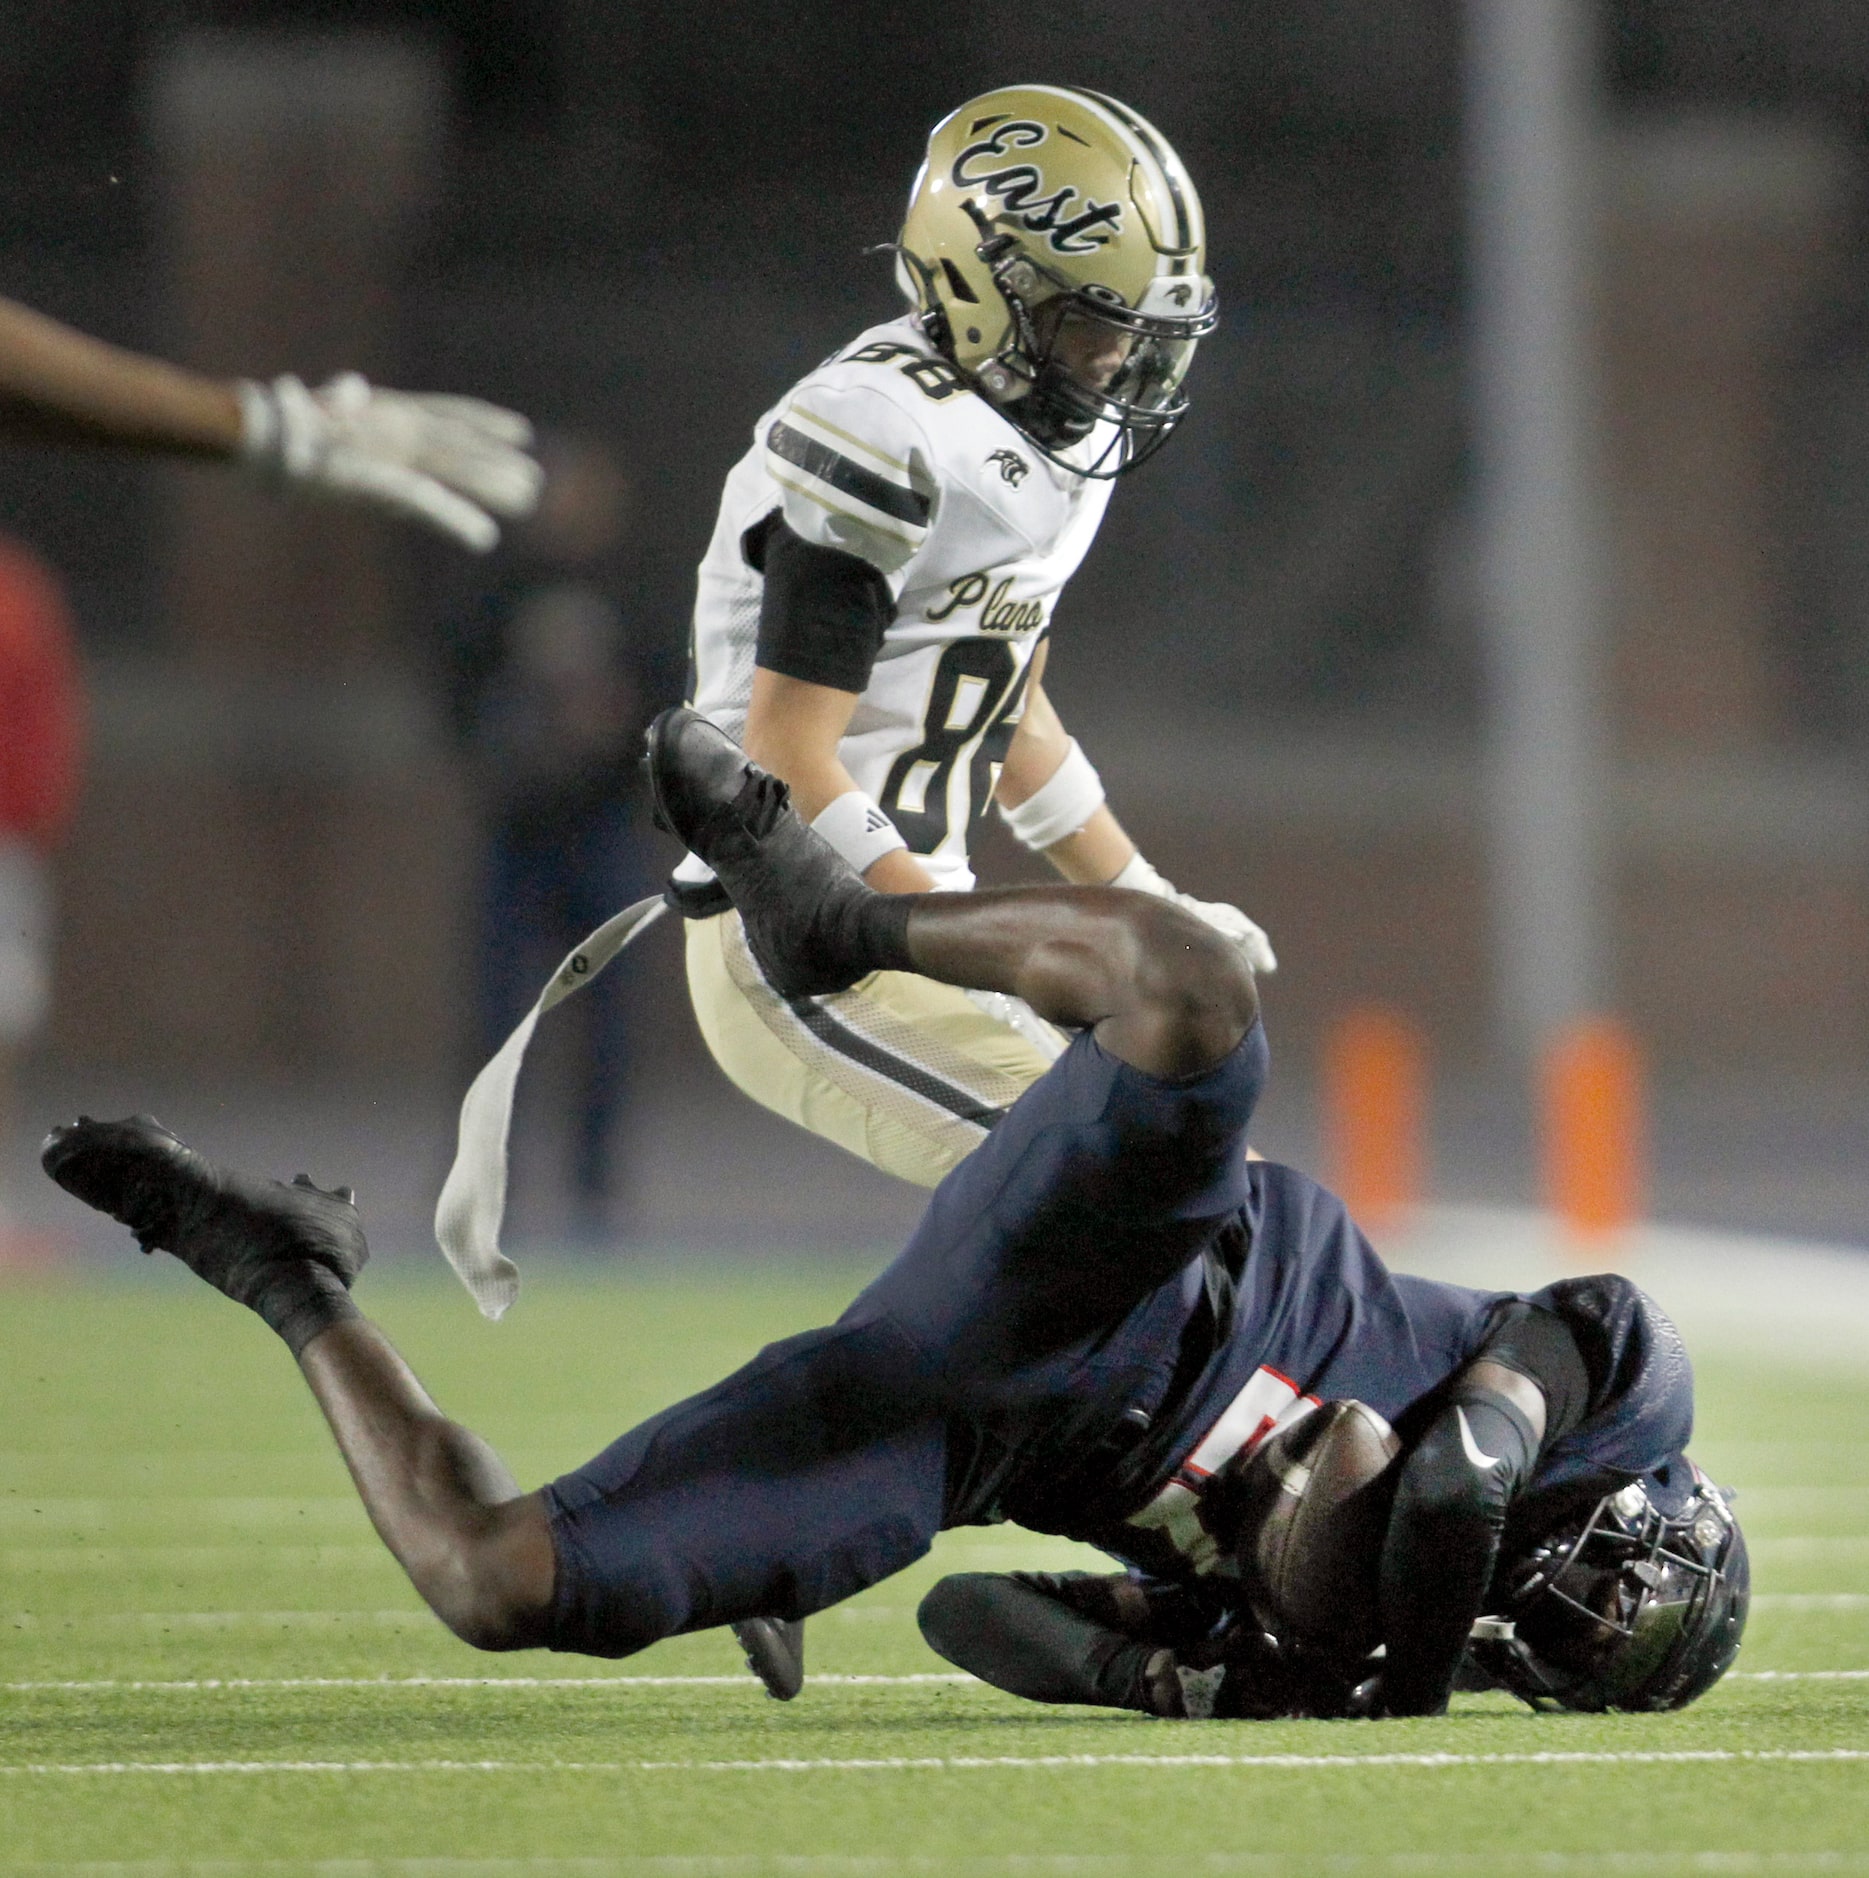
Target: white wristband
1060 806
858 829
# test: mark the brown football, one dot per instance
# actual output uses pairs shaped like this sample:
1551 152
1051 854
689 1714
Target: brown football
1308 1510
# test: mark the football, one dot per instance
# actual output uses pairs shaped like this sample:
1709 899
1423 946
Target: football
1307 1511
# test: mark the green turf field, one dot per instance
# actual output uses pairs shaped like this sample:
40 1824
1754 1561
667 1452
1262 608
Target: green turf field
209 1662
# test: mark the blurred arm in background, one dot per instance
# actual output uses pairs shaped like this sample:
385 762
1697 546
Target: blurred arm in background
453 464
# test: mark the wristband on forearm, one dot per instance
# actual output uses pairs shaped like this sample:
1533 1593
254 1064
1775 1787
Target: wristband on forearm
282 429
858 829
1060 806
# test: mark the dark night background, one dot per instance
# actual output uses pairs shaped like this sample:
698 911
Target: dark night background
656 214
642 222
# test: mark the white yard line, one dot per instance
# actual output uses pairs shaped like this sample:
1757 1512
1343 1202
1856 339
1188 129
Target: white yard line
216 1620
285 1620
742 1681
968 1763
66 1554
1810 1545
256 1556
214 1684
1810 1600
1798 1675
28 1512
849 1614
1646 1863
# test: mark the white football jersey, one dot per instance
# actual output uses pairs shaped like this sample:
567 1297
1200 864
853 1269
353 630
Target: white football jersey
886 452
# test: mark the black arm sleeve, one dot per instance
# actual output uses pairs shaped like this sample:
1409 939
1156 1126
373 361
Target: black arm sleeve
1113 1641
1451 1501
823 613
1034 1635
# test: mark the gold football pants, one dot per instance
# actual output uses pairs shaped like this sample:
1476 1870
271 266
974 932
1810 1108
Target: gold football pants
908 1073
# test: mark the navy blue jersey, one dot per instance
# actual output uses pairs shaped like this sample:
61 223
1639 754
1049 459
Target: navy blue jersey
1103 1304
1290 1306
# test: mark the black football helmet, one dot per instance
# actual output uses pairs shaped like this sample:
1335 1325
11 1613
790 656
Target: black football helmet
1625 1608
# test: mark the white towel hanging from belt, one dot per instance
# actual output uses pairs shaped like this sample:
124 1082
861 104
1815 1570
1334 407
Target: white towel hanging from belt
473 1197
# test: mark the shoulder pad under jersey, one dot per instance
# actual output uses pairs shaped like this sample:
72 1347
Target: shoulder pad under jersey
854 462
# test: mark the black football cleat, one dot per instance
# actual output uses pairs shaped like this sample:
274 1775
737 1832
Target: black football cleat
800 900
235 1230
775 1653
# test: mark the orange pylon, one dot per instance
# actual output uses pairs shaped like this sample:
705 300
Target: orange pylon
1375 1113
1592 1136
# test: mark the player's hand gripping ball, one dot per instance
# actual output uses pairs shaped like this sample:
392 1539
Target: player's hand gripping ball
1305 1514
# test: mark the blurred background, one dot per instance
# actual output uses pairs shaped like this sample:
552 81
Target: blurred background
309 782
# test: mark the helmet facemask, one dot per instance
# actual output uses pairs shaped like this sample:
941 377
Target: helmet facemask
1103 381
1631 1609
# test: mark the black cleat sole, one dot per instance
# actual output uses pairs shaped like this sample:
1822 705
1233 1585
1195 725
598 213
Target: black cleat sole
775 1653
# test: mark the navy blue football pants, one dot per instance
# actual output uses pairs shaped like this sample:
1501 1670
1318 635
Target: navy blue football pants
821 1466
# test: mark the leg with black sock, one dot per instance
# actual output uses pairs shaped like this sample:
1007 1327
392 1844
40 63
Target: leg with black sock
478 1551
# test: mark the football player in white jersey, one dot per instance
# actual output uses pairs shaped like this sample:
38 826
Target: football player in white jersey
874 606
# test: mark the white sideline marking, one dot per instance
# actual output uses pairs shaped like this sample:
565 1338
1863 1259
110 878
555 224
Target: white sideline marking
189 1558
743 1681
1810 1600
308 1553
1645 1863
216 1620
35 1512
1797 1675
212 1684
966 1763
286 1620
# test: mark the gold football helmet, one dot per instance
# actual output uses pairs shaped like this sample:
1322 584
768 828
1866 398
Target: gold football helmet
1055 246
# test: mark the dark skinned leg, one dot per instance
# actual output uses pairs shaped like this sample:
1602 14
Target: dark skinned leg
478 1551
1165 992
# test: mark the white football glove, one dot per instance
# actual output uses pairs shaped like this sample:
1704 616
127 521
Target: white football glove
1140 877
451 463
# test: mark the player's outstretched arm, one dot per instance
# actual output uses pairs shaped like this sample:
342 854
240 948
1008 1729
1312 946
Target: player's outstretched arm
58 385
1114 1642
1450 1511
1051 798
1053 1637
456 465
1526 1389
